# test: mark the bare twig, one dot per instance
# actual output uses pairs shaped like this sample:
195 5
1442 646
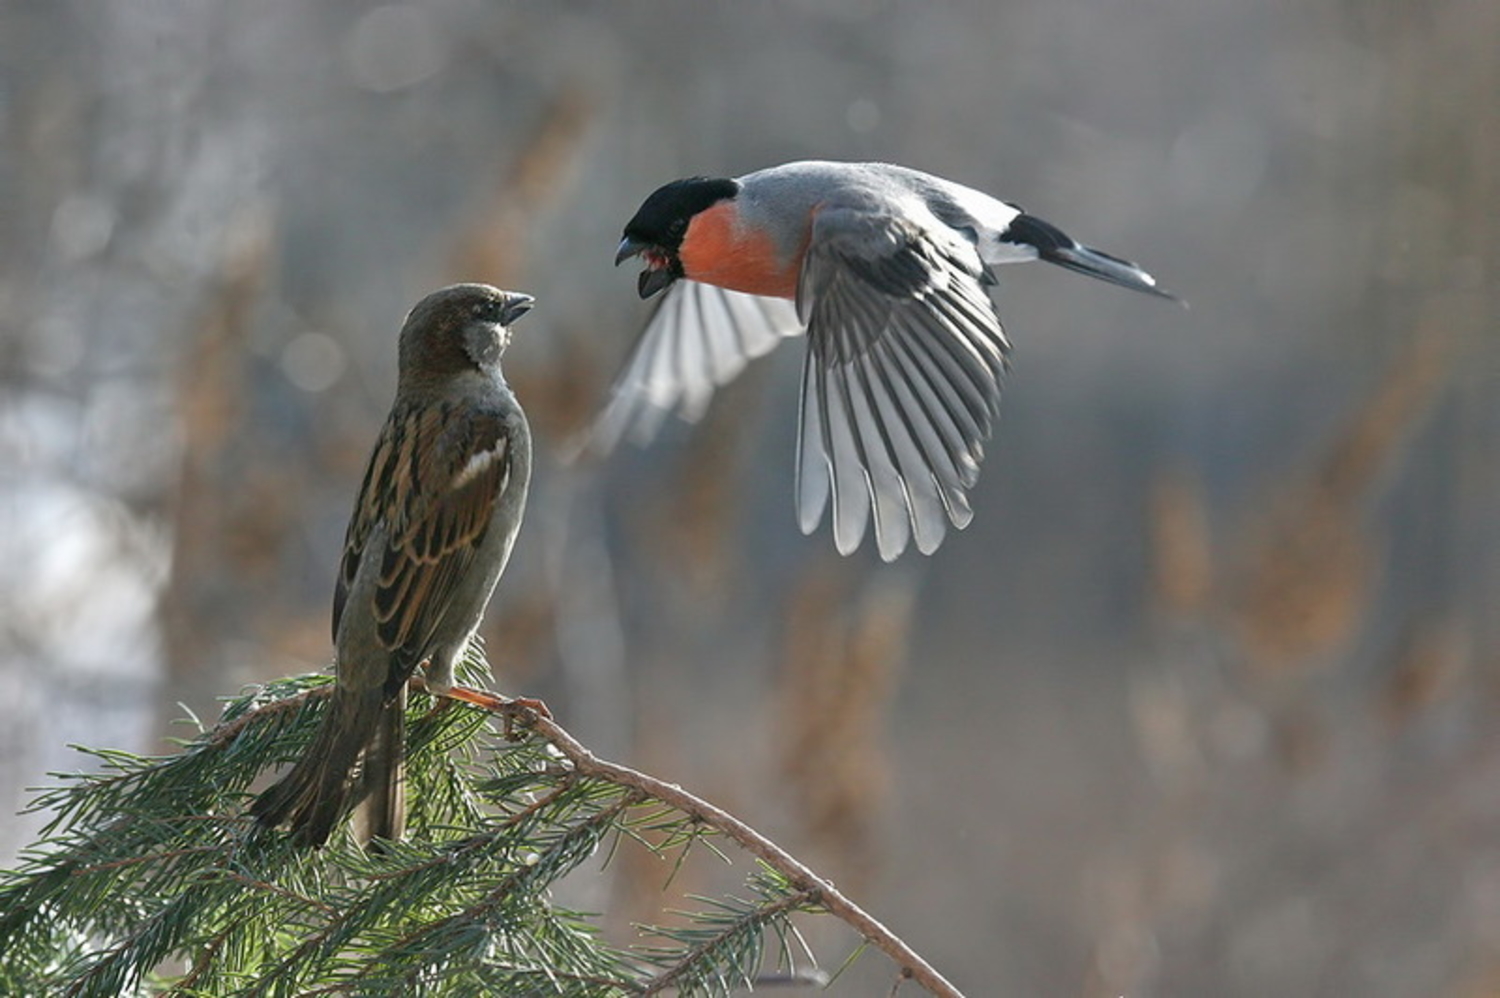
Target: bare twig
809 885
802 878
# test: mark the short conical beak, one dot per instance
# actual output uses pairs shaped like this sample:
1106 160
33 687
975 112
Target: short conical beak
628 248
653 281
516 305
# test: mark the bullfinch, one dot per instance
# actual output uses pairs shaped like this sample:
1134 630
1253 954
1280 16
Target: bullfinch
886 270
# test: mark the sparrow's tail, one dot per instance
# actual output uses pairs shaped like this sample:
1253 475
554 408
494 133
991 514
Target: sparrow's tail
319 790
381 795
1056 246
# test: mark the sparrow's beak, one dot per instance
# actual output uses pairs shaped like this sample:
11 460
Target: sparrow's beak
516 305
628 248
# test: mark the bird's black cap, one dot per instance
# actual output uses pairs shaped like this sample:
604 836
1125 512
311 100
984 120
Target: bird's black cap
662 219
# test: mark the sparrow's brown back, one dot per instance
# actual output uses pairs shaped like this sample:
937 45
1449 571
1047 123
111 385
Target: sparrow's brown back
437 514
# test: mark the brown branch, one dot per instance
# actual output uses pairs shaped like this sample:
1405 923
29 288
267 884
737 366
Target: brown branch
520 714
222 735
188 981
154 857
261 885
800 876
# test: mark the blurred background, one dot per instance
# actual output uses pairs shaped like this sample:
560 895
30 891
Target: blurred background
1204 700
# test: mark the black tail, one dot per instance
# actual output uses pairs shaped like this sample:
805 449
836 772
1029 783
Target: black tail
316 794
1056 246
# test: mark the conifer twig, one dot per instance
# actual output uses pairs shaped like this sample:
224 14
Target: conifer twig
155 861
790 903
912 966
801 877
227 732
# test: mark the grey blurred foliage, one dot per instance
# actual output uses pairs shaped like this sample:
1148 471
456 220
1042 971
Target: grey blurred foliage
1203 701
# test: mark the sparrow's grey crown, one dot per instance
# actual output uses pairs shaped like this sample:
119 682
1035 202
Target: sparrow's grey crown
459 327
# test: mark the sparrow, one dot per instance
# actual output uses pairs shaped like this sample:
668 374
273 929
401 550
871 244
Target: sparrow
432 529
886 270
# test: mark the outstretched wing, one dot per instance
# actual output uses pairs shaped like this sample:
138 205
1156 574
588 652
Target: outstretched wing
433 482
901 381
699 338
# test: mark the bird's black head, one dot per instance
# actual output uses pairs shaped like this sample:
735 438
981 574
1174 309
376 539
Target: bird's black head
459 328
659 225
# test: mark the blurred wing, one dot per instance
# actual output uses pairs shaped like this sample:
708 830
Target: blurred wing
901 382
433 480
699 338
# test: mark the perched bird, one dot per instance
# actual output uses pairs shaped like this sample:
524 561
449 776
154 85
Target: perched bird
431 532
888 270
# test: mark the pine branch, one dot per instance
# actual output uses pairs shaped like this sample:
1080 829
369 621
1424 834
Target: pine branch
729 935
151 868
819 891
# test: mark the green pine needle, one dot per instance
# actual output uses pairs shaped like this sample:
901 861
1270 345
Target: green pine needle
149 878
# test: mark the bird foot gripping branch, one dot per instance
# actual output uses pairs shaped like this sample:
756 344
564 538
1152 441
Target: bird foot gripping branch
514 712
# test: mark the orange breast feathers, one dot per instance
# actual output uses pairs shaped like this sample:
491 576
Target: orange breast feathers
717 250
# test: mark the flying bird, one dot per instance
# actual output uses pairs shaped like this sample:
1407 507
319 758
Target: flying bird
431 532
886 270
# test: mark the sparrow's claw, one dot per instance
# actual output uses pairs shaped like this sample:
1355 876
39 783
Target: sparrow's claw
497 704
511 709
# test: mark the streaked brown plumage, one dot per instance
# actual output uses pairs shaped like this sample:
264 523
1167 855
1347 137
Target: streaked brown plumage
433 526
